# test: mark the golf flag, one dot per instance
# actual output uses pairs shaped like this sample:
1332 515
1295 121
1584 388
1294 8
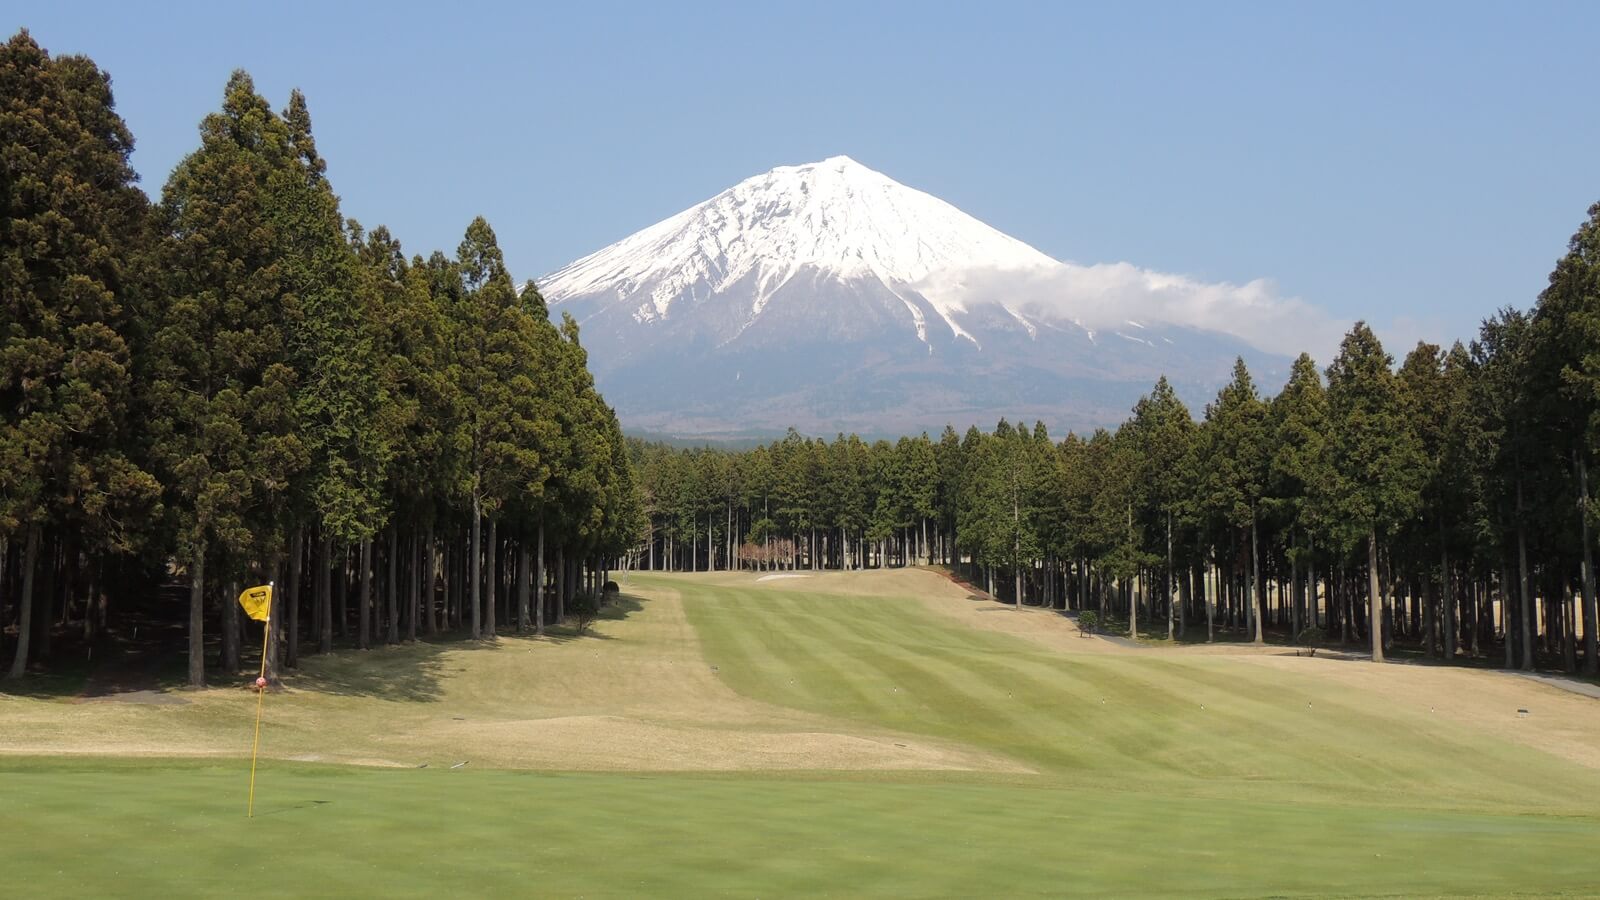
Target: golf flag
257 602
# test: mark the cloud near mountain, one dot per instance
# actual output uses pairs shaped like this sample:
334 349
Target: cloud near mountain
1107 296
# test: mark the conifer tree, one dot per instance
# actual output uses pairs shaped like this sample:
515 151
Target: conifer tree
73 228
1299 476
221 427
1236 470
1162 432
1376 456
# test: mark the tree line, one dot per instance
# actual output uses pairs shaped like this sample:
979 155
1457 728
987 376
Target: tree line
237 384
1443 505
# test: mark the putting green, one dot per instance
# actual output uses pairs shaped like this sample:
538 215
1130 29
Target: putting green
1283 784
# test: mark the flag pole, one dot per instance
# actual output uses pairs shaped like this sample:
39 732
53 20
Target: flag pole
261 693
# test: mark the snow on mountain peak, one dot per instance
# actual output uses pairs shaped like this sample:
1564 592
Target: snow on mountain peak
835 216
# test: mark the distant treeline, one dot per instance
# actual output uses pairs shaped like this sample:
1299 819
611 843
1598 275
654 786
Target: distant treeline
1448 500
238 385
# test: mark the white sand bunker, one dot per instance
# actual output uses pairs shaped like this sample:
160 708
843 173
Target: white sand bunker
778 575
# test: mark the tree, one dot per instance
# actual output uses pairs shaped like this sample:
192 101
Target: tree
494 339
1163 432
1298 473
221 425
1236 469
341 392
1376 456
1566 335
73 228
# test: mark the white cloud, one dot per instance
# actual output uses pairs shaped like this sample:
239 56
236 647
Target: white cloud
1108 295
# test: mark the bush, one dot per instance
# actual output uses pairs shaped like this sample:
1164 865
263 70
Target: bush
610 592
583 608
1088 622
1311 637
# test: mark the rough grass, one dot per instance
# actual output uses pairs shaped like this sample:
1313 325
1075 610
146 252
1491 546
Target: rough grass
1146 793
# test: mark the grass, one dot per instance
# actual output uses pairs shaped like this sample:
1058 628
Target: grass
1258 794
1143 721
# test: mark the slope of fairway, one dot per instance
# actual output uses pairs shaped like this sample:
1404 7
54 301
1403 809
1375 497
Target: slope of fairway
635 694
1191 724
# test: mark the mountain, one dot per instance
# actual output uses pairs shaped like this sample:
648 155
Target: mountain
830 297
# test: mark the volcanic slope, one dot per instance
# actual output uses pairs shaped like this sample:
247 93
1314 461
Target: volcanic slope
830 296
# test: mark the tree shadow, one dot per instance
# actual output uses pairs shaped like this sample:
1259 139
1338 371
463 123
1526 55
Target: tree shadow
150 667
412 672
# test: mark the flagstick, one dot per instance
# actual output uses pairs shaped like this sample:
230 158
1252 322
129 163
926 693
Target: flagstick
261 694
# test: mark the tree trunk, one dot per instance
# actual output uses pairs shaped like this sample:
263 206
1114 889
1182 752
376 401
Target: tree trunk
230 628
1374 596
414 606
1429 619
197 612
391 634
1210 601
1506 626
475 563
1591 659
325 591
344 592
1529 623
292 599
538 582
1257 601
523 585
561 584
1172 625
364 598
492 583
429 597
30 560
1448 601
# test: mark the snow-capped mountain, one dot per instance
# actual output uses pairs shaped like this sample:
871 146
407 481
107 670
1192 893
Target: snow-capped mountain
830 297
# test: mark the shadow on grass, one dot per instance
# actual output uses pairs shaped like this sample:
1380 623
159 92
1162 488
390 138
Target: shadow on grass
153 669
416 672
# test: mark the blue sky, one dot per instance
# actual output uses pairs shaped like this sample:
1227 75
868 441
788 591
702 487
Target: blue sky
1415 164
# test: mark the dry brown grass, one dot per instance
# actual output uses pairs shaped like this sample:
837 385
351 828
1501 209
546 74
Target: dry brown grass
635 695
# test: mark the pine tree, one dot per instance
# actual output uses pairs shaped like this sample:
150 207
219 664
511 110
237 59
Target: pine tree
1162 432
1376 456
1236 470
1566 335
335 348
73 228
1299 476
221 424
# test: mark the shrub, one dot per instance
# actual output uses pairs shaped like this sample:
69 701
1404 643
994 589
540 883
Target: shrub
1311 637
1088 621
583 608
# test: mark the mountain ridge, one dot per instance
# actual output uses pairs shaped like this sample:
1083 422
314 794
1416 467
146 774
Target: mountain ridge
830 297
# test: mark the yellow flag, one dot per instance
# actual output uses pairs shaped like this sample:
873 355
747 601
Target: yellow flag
257 602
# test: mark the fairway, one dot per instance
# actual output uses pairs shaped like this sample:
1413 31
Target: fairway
851 734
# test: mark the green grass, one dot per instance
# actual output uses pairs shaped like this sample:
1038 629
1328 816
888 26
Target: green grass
97 829
1144 794
1148 721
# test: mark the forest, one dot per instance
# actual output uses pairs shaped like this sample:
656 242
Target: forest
237 384
1446 500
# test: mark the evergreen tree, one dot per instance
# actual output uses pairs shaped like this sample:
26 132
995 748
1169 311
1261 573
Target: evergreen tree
1236 471
222 420
1298 475
73 228
1376 457
1162 433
